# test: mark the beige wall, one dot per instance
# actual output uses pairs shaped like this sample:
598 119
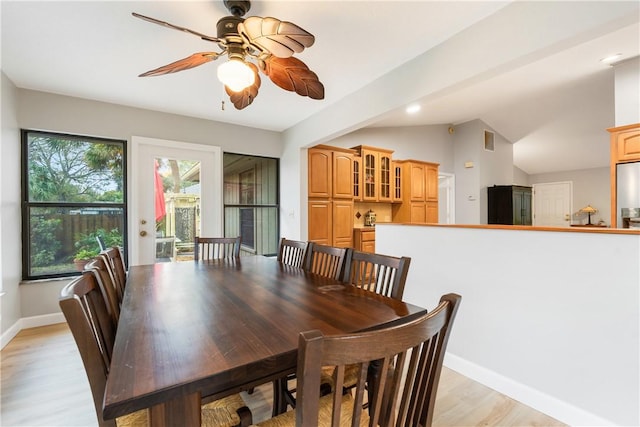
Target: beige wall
44 111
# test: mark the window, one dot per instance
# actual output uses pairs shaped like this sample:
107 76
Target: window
74 193
251 202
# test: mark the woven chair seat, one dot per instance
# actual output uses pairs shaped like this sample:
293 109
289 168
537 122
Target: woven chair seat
350 376
219 413
324 414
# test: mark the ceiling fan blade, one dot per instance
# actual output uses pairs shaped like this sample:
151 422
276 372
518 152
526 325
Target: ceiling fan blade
293 75
175 27
280 38
245 97
183 64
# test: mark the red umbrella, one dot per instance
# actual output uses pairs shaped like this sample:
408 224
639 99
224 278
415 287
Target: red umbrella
161 210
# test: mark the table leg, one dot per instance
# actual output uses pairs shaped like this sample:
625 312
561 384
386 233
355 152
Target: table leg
180 412
279 400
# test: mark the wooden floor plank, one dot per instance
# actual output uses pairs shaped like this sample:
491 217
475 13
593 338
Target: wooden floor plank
43 383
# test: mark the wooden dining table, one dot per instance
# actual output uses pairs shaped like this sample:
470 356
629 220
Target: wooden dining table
199 329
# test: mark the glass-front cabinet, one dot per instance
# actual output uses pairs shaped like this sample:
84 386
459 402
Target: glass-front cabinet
375 173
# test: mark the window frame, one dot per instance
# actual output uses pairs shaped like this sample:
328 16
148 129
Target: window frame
27 204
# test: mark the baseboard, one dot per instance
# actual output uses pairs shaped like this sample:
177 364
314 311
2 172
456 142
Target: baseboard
30 322
549 405
9 334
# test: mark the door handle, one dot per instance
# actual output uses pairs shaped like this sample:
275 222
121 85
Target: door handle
143 233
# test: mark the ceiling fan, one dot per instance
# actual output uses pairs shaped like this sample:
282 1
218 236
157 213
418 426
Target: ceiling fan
251 44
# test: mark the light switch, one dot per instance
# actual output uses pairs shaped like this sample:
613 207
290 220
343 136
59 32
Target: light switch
468 164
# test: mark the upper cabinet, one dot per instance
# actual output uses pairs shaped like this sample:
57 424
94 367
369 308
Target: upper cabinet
330 173
375 172
419 189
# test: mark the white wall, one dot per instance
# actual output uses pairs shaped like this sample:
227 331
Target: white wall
10 246
627 92
590 187
550 318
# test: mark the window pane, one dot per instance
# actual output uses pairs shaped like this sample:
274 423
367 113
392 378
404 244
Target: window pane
60 236
64 168
251 202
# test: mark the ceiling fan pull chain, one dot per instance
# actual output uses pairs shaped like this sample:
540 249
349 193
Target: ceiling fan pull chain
222 105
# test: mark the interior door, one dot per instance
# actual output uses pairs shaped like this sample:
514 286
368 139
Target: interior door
146 220
552 204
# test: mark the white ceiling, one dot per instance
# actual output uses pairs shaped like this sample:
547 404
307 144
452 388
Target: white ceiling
95 50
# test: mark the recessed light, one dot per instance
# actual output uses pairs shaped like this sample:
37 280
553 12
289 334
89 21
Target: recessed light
611 58
412 109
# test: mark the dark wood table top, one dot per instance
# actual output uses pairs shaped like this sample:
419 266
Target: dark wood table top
202 328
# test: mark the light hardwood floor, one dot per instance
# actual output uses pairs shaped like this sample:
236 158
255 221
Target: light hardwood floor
43 383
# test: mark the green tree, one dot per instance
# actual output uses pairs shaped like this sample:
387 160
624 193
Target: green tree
72 170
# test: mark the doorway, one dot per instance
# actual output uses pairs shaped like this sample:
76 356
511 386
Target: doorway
176 194
446 198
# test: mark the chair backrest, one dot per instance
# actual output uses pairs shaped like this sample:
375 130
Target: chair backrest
86 312
100 239
327 261
111 293
216 248
115 263
382 274
292 252
408 368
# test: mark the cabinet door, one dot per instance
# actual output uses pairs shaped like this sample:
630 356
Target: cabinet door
397 182
522 207
369 246
357 179
628 145
320 172
342 175
417 177
320 222
418 213
370 173
385 193
431 184
432 212
342 224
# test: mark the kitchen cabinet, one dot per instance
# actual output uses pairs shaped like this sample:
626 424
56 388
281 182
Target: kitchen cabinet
375 173
624 148
509 204
357 179
364 239
330 195
397 182
419 190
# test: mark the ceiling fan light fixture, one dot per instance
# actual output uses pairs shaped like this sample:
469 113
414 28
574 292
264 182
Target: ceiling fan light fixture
236 74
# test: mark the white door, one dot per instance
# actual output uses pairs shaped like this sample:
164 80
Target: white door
142 201
446 198
552 204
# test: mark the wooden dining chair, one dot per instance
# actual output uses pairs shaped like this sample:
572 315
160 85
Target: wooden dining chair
115 263
406 361
110 291
382 274
86 312
327 261
206 248
292 252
